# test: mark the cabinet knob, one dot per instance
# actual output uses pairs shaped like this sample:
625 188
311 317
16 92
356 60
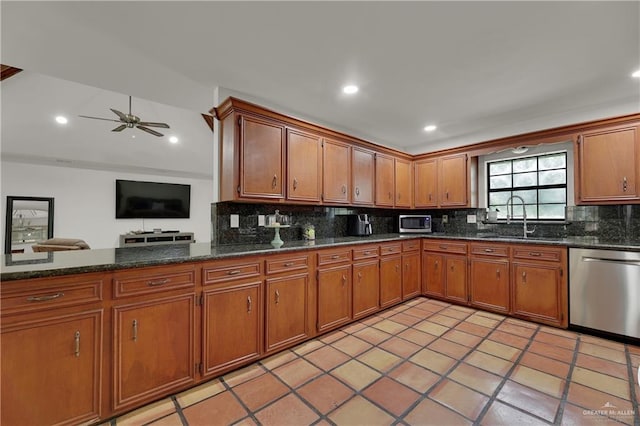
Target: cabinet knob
359 275
447 194
344 280
498 273
274 182
295 184
624 184
436 264
249 304
389 194
77 343
357 191
344 189
277 297
524 277
135 330
429 197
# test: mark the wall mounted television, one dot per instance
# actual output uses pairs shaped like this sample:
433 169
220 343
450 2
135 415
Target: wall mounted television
152 200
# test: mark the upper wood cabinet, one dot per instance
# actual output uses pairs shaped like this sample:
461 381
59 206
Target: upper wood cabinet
453 181
403 183
385 182
608 166
363 176
336 171
426 183
304 166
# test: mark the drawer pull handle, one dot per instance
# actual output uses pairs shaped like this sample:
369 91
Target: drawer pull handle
360 276
535 253
397 268
158 282
498 273
277 297
344 189
436 264
443 247
488 250
524 277
234 272
390 195
624 184
44 298
135 330
335 256
249 304
344 280
295 184
286 265
77 342
274 182
429 197
367 252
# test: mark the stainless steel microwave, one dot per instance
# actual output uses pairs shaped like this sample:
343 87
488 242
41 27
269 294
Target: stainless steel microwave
414 223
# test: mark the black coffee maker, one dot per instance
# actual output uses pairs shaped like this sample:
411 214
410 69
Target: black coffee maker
359 225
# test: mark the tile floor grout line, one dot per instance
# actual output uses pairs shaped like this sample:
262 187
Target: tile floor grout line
632 383
181 415
565 392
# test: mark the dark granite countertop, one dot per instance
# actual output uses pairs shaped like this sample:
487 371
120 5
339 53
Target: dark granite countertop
37 265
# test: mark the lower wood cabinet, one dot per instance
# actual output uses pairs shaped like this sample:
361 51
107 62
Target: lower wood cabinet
445 270
286 311
411 269
334 296
390 280
366 288
433 274
51 368
489 282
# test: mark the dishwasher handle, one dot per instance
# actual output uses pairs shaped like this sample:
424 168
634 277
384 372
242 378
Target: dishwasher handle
608 259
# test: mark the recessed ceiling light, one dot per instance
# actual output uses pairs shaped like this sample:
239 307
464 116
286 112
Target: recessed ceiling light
430 128
350 89
636 74
173 139
61 119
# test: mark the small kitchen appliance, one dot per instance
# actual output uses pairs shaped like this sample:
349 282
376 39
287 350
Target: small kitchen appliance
414 223
359 225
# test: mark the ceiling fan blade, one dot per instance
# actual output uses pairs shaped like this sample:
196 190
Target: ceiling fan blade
99 118
119 114
120 128
153 132
151 124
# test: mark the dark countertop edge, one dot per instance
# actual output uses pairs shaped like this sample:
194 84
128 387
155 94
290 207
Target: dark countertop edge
571 242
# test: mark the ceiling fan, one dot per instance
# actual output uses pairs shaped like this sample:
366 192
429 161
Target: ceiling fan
130 121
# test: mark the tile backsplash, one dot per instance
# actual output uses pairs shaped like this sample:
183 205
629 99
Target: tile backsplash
619 222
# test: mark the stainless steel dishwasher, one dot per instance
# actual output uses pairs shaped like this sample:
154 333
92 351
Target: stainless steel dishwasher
604 290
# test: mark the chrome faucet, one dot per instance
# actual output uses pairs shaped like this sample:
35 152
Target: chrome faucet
524 215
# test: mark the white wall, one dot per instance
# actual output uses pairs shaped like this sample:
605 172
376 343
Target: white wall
84 201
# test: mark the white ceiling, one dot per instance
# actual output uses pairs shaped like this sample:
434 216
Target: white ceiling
479 70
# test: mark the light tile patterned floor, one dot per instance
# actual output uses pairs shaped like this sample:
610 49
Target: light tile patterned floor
424 362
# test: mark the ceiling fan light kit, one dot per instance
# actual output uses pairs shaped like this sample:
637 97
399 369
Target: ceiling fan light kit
131 121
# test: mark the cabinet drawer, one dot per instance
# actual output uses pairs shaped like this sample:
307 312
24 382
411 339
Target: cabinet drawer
445 246
279 265
225 272
411 245
153 280
334 256
489 249
366 252
387 249
546 253
33 295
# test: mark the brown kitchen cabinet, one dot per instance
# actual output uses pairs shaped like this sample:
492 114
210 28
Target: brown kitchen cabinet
366 281
385 180
539 284
334 282
453 181
411 269
390 274
336 186
304 166
445 270
154 332
425 183
51 351
403 183
287 293
232 315
489 281
363 176
608 166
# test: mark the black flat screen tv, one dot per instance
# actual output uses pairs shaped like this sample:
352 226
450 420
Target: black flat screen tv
152 200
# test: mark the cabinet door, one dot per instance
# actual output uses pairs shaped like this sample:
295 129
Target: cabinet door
537 292
261 158
489 286
390 280
609 165
425 183
232 326
453 181
336 172
334 297
304 165
411 275
433 274
286 311
456 278
403 187
51 370
153 349
363 172
366 288
385 184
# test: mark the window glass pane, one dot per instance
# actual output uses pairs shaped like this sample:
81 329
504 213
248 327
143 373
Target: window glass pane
499 168
553 177
497 182
516 212
529 197
532 211
499 198
525 165
551 211
556 161
553 195
525 179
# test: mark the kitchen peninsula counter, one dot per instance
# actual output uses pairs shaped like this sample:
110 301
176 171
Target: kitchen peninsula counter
40 265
